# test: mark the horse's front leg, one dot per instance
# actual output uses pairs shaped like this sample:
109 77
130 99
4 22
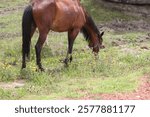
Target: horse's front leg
72 34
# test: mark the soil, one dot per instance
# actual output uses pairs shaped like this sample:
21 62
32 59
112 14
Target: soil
9 35
119 25
12 85
141 93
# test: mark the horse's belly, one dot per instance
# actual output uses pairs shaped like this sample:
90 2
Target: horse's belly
62 24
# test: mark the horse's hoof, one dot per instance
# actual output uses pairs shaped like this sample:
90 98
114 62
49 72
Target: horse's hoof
23 66
71 59
40 70
66 61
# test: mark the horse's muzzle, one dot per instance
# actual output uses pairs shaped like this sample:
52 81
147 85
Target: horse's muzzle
102 46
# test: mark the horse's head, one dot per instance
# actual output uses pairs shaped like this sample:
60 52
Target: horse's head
100 38
96 43
92 34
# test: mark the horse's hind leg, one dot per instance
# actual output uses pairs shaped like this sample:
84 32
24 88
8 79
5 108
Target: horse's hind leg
72 34
38 48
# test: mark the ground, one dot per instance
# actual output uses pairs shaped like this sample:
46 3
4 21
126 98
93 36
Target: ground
122 70
141 93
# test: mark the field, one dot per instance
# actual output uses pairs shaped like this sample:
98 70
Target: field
119 68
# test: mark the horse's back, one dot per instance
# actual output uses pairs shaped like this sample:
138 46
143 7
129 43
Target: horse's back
69 14
58 15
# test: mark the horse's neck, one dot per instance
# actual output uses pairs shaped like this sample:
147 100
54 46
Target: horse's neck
91 30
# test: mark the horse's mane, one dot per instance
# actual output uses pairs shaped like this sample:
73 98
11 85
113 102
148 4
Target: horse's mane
89 23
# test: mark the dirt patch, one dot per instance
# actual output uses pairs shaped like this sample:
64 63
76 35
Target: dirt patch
142 93
141 43
119 25
12 85
9 35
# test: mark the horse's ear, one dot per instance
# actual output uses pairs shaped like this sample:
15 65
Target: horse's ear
102 34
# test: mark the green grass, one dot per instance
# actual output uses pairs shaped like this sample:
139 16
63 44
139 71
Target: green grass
101 14
11 23
115 71
118 68
11 3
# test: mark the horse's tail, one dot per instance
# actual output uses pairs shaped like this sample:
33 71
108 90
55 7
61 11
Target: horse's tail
27 23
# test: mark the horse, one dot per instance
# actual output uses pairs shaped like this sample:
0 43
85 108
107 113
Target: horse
59 16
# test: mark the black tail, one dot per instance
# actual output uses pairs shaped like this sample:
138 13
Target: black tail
27 23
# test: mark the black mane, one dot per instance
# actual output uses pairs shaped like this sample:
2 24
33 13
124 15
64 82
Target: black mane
90 23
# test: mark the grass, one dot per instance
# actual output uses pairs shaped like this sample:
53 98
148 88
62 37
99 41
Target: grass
12 21
118 68
11 3
102 15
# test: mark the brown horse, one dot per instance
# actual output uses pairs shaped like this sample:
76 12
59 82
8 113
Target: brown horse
59 16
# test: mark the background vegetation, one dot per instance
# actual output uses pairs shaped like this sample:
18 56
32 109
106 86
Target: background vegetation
120 65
